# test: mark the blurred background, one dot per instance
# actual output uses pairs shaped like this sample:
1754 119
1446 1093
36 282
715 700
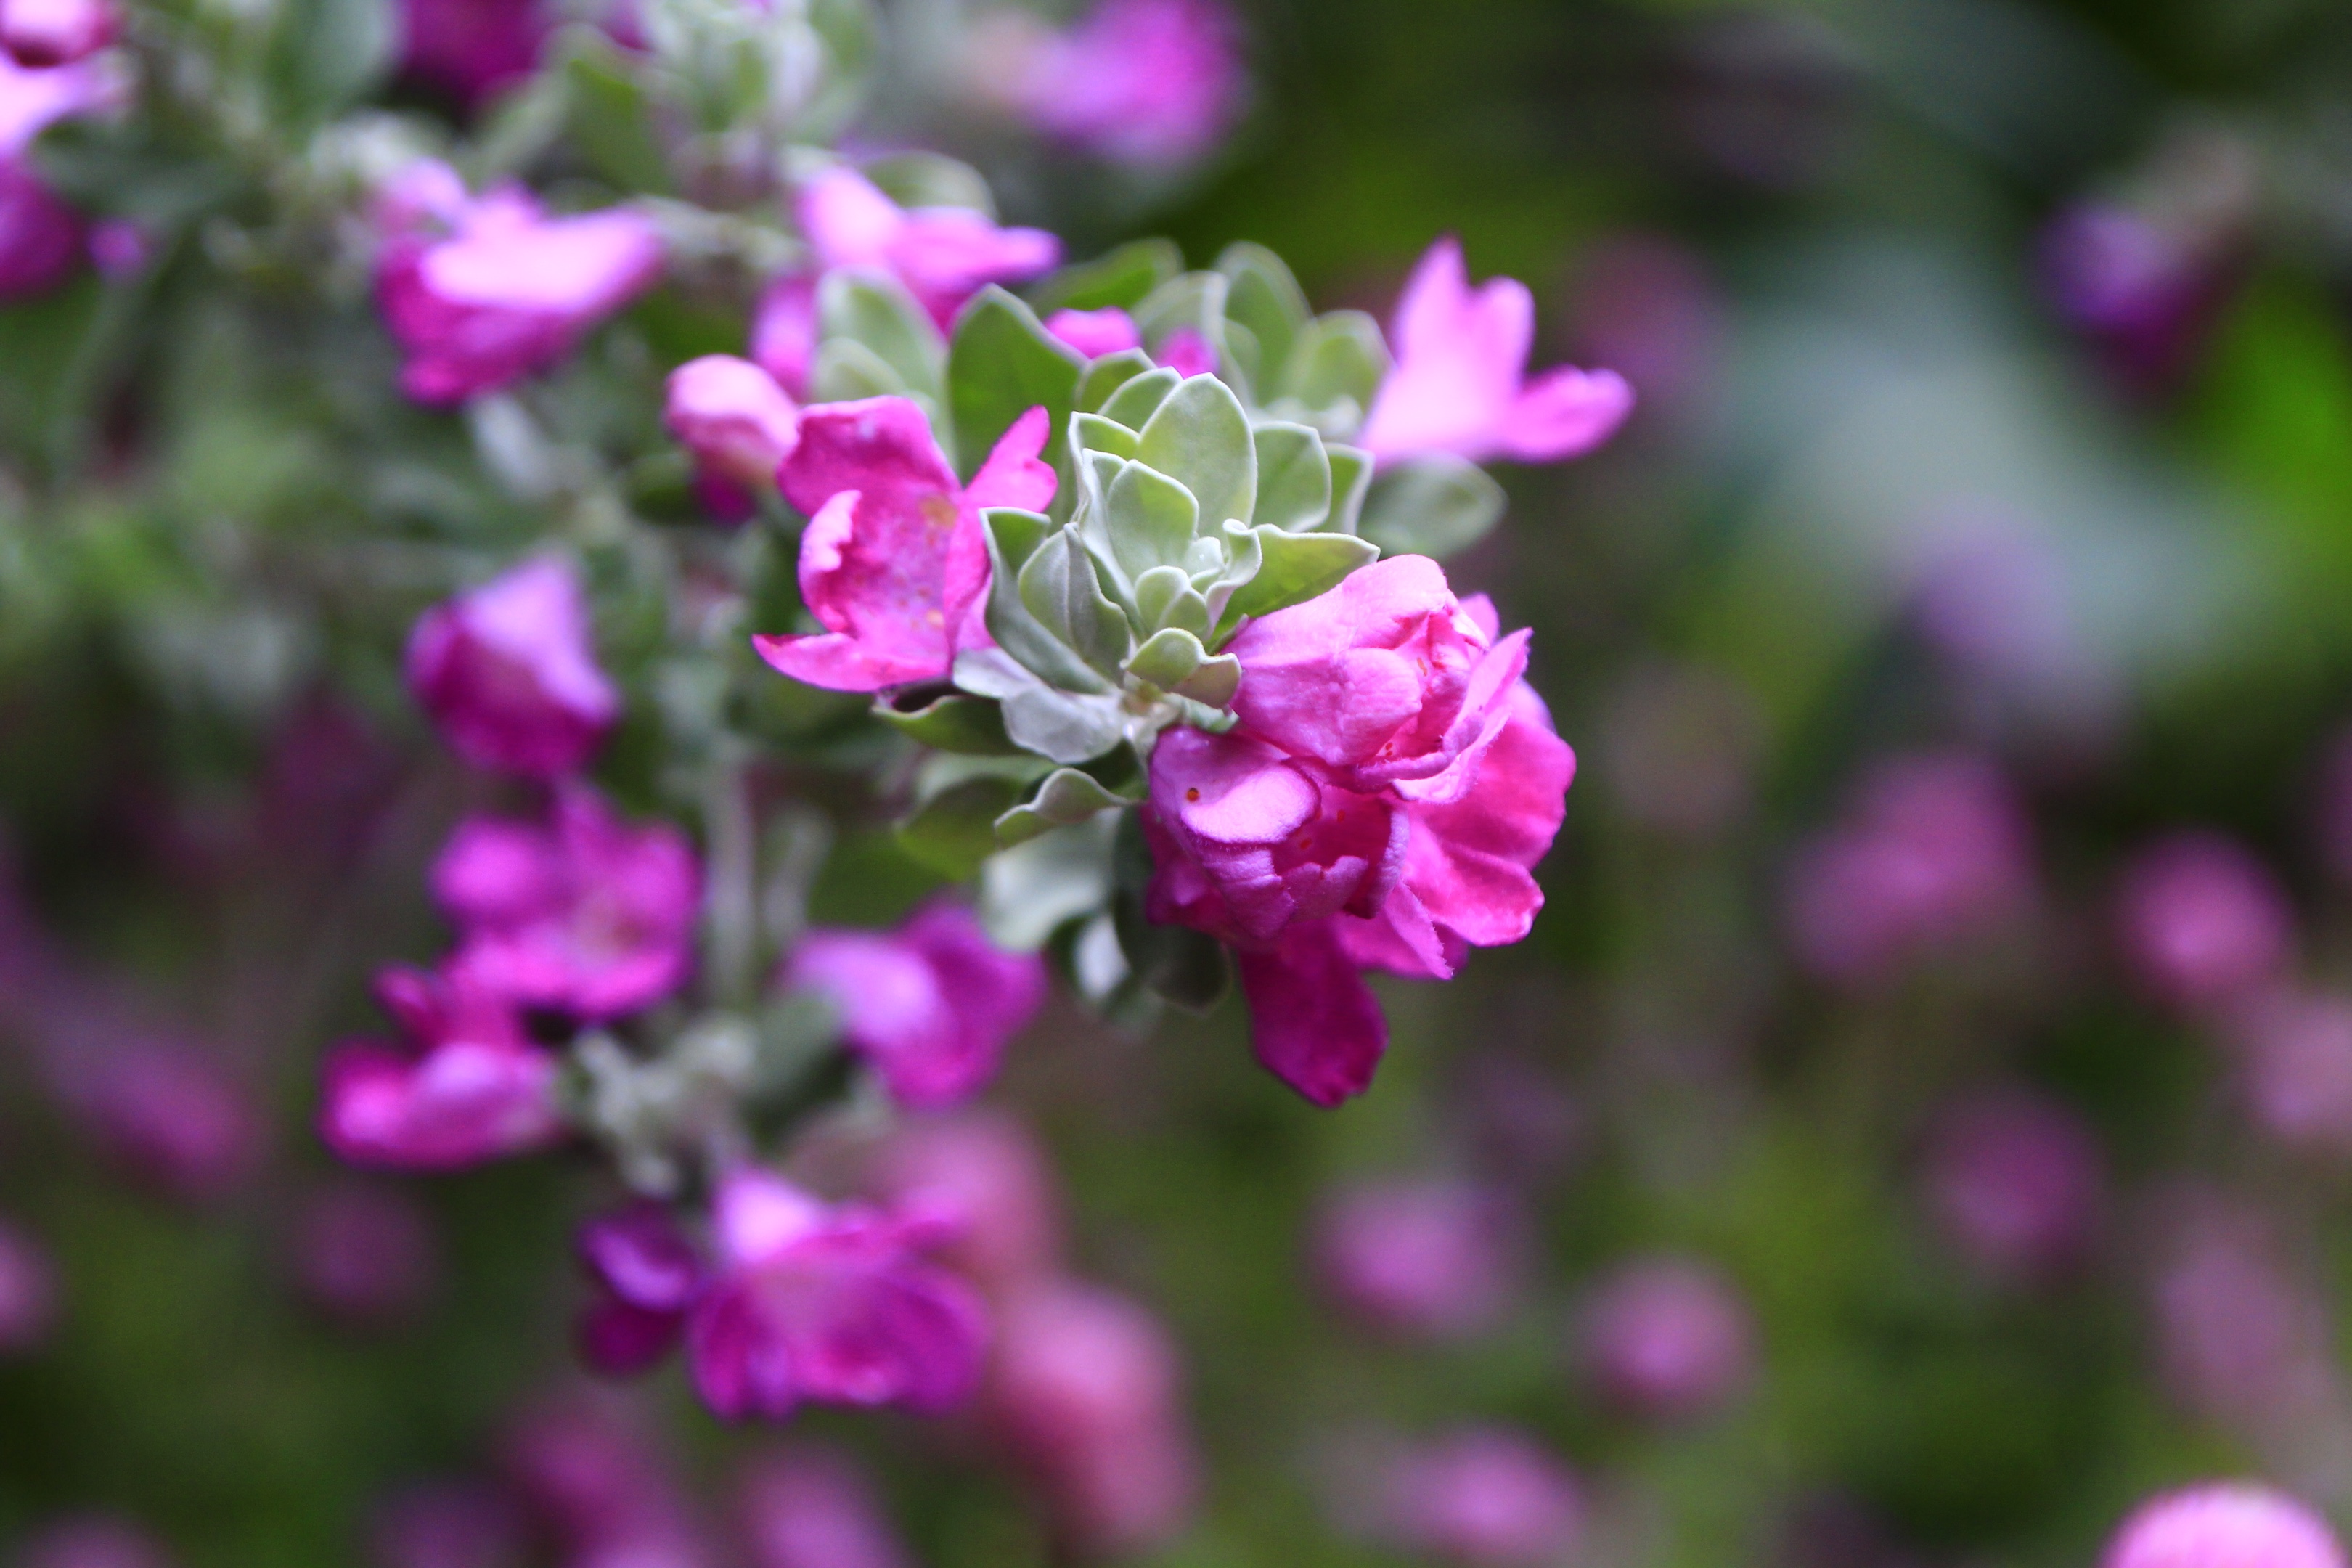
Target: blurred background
1917 1129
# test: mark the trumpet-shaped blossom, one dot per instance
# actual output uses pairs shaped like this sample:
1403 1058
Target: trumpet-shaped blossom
507 290
55 32
895 558
1484 1497
1094 333
649 1275
2203 923
1390 786
508 672
2224 1524
809 1506
943 255
930 1004
1147 82
580 914
473 47
1460 384
2015 1180
738 422
1434 1258
467 1086
1669 1337
983 1174
811 1303
40 237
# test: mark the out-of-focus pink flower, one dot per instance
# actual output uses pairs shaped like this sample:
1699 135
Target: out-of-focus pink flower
1484 1497
1668 1338
55 32
1390 786
1460 384
120 249
2242 1339
40 237
365 1253
739 424
446 1524
581 913
1145 82
467 1087
596 1484
813 1304
2203 923
650 1274
1437 1258
1932 851
1086 1391
2145 293
507 291
1188 353
811 1507
473 47
2224 1524
510 674
1094 333
931 1004
784 332
92 1541
983 1173
29 1292
943 255
2295 1055
170 1115
893 563
1647 305
2014 1180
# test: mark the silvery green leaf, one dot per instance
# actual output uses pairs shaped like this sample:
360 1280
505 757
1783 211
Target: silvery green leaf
1123 277
1431 506
324 54
1238 562
921 179
1028 892
1193 301
1065 798
1294 568
1337 363
1167 657
1001 362
1150 519
874 311
990 672
1015 540
1265 299
1214 683
1209 552
1351 481
1135 401
947 721
1107 375
1062 726
953 827
1294 478
1164 596
1059 587
1093 433
1201 438
846 370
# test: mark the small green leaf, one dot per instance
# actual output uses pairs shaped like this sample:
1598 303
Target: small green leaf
1135 403
1107 375
1351 479
1067 797
1062 726
955 829
1058 587
1293 569
947 721
1431 506
327 54
1000 365
610 119
1015 540
1294 478
1164 596
874 311
845 370
1093 433
1167 657
1336 365
1149 518
1215 683
1201 438
1263 298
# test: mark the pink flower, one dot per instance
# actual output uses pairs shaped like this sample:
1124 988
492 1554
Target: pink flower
1460 387
1085 1391
739 424
581 913
472 1088
509 291
2015 1180
597 1486
510 674
29 1292
2295 1069
649 1274
364 1254
930 1004
1391 785
170 1115
92 1541
446 1524
1484 1498
895 559
812 1303
784 332
983 1173
1094 333
943 255
473 47
2146 294
2203 923
40 237
1150 82
1668 1338
809 1506
1430 1257
2224 1524
55 32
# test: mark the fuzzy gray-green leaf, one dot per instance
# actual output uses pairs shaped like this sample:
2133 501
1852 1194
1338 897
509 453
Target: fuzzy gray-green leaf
1431 506
1294 478
1201 438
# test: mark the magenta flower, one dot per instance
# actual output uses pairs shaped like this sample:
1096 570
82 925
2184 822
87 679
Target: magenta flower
943 255
473 47
29 1292
738 422
1390 786
1432 1259
1668 1338
2203 923
55 32
649 1274
581 913
813 1304
364 1254
597 1486
1148 82
930 1004
1094 333
809 1506
784 332
895 559
1484 1497
510 673
2295 1052
507 291
92 1541
1086 1393
169 1114
982 1174
40 237
2224 1524
469 1086
2146 293
1460 384
447 1524
2015 1180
